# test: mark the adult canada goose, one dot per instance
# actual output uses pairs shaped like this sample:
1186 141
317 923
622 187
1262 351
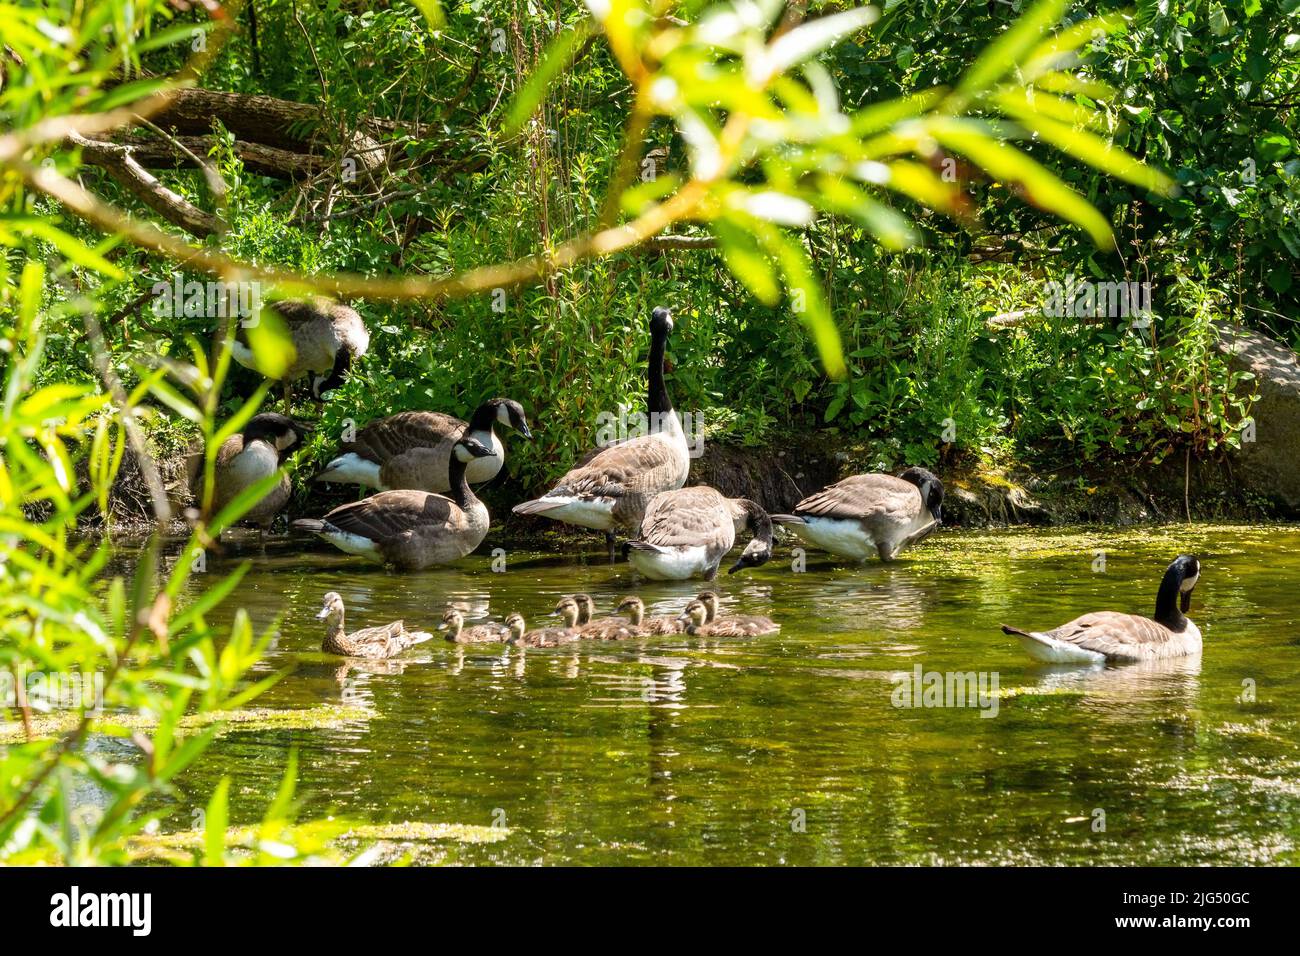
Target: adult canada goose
244 459
696 625
644 626
869 514
327 338
1115 638
411 529
550 636
413 449
454 629
612 486
374 643
757 622
686 533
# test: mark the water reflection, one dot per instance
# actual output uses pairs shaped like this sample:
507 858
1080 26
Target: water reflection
681 750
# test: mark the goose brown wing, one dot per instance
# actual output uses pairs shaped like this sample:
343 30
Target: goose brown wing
388 437
641 463
392 514
860 496
1113 634
688 516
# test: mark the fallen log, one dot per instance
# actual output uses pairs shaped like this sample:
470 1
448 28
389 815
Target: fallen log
117 160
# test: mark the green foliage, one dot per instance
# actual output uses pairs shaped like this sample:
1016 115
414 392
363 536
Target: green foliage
75 636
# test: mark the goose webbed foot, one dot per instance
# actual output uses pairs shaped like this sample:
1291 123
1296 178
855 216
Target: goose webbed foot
609 544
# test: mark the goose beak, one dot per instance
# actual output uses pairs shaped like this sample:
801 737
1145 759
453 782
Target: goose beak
1185 601
524 430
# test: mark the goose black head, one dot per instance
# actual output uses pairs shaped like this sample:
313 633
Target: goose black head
467 449
1188 568
756 552
279 431
502 411
1175 596
661 321
931 489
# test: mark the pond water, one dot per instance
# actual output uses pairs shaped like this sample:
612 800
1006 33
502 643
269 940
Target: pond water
791 748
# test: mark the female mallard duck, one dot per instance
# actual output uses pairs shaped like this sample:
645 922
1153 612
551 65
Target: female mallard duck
1115 638
599 628
373 643
255 453
695 620
454 629
327 338
756 622
644 626
411 529
413 449
550 636
612 486
686 533
869 514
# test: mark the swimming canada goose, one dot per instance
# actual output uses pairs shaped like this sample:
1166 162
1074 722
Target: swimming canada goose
454 629
413 449
411 529
687 532
695 623
869 514
612 486
255 453
757 622
644 626
327 338
374 643
549 636
1115 638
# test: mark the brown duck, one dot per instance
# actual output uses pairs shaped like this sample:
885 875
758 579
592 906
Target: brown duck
374 643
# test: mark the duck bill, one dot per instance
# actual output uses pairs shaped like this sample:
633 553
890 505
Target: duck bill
324 613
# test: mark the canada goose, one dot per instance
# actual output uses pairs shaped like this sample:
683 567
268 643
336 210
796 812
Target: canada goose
255 453
327 338
634 607
374 643
550 636
411 529
694 621
686 533
612 486
869 514
413 449
712 604
1111 637
454 629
